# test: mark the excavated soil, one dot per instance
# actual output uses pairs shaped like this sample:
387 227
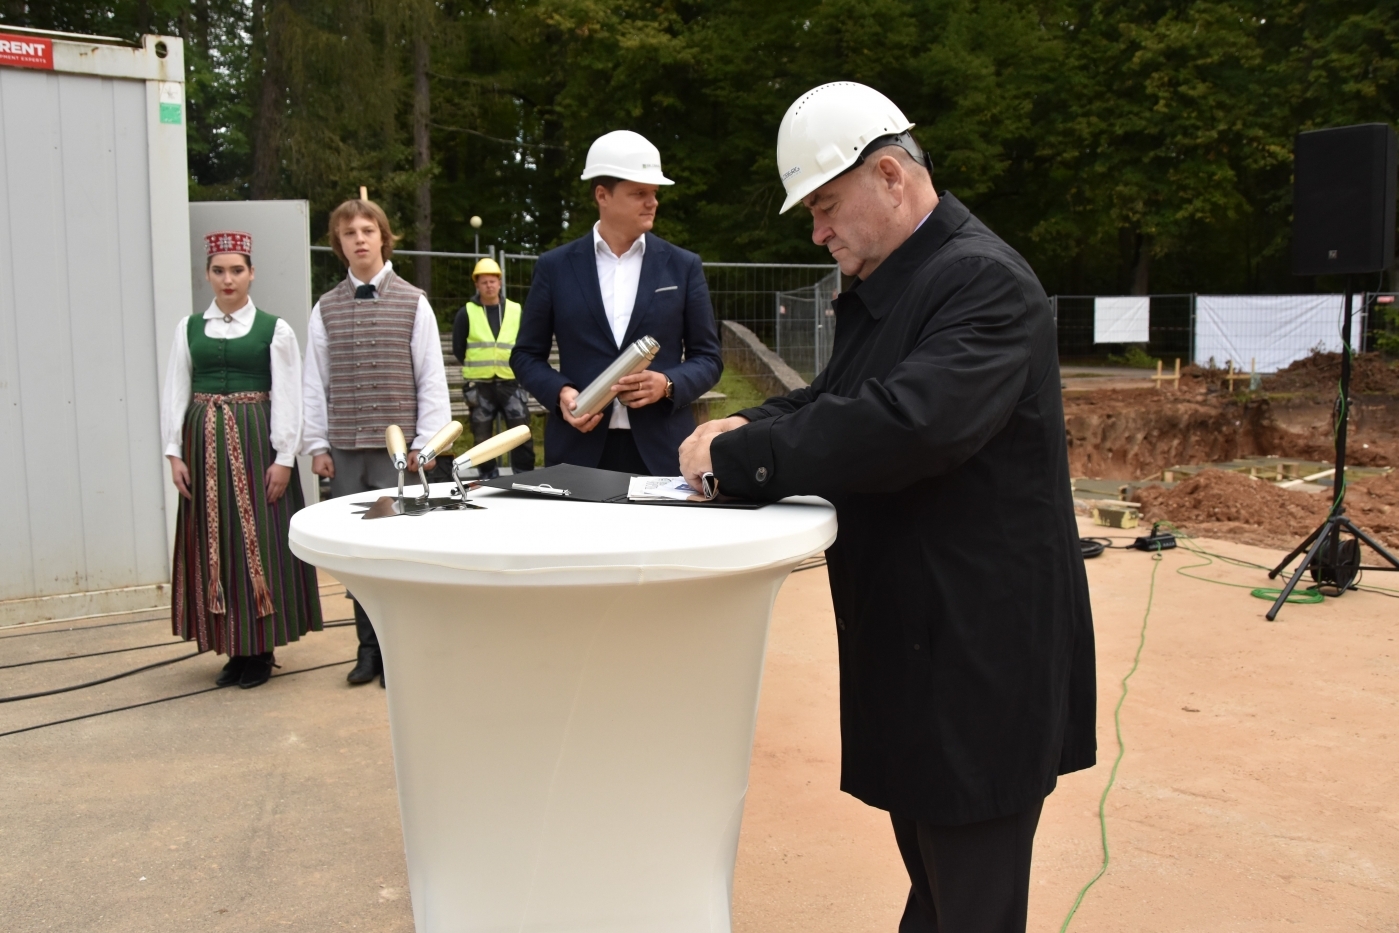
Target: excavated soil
1320 375
1221 504
1135 433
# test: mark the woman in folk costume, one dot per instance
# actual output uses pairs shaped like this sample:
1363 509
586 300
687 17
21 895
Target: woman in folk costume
231 421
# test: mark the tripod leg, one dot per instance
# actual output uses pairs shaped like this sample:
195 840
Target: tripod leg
1374 545
1321 535
1299 549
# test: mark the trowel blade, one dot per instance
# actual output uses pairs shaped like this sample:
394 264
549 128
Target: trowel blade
384 507
388 506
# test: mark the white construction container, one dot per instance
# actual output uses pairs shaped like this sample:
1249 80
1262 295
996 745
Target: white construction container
94 274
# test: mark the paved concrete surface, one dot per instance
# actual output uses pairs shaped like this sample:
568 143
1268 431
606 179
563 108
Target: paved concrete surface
1257 793
1094 378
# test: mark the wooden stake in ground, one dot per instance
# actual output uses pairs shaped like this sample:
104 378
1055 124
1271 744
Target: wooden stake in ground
1160 379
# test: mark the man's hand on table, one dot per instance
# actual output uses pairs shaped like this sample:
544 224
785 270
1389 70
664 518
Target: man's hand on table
694 451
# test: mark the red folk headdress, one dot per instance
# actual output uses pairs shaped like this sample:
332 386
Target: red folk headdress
229 241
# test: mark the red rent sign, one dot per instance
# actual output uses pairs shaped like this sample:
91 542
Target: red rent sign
26 52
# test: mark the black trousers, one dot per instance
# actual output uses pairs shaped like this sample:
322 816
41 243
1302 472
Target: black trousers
620 454
968 879
360 471
501 399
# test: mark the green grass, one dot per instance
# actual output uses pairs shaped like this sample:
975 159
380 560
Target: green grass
740 393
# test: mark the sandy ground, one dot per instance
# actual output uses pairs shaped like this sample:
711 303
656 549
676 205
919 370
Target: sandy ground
1258 791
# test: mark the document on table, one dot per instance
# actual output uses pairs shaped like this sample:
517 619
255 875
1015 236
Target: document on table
655 488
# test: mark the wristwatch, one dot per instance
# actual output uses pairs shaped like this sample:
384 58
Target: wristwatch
669 387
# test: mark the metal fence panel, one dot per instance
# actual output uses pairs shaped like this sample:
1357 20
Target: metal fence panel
1171 328
806 325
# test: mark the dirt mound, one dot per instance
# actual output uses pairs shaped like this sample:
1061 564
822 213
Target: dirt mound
1320 374
1132 434
1374 505
1220 504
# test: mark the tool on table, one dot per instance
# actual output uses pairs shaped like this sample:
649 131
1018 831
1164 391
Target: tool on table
598 395
398 450
486 450
397 447
441 441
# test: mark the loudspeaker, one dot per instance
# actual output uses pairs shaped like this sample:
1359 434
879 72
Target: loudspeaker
1343 200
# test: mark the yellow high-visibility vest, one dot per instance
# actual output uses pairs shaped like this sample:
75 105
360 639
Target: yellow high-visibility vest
488 354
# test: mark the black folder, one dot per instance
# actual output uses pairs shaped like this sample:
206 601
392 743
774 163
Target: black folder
587 484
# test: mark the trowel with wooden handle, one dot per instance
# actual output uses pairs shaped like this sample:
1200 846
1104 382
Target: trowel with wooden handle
397 447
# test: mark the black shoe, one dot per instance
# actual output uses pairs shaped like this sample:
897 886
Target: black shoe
232 671
257 671
367 666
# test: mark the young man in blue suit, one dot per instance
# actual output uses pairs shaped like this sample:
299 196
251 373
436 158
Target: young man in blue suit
596 295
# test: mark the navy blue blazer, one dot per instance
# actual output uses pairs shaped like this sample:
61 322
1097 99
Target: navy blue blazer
672 305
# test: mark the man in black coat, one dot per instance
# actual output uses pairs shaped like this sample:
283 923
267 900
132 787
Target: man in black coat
937 431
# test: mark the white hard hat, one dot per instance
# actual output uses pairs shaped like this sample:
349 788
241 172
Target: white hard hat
827 129
626 155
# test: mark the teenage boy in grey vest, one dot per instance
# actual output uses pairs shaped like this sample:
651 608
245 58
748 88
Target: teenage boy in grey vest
373 358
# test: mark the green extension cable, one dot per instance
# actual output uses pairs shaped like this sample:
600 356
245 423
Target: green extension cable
1121 749
1304 597
1262 592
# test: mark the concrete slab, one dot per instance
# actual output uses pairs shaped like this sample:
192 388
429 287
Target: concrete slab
1257 791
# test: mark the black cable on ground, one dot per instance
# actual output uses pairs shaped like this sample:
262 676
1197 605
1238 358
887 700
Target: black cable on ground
332 623
101 680
84 628
811 563
339 590
178 696
91 654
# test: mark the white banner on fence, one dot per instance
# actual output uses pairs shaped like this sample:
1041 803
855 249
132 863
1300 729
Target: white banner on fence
1121 320
1270 331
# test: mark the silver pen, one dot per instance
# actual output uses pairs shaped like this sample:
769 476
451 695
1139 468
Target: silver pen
543 487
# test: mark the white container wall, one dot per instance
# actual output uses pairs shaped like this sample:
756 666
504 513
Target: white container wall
94 273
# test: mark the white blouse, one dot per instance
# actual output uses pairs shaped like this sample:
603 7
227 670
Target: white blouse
286 381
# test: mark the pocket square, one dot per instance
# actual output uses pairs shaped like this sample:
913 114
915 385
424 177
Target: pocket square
667 288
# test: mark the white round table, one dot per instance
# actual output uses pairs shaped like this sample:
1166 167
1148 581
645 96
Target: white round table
572 691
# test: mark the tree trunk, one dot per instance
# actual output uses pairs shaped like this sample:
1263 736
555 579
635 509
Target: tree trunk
143 17
268 118
422 153
1134 266
1142 269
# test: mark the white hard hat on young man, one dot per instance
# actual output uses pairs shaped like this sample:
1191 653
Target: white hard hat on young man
828 131
625 155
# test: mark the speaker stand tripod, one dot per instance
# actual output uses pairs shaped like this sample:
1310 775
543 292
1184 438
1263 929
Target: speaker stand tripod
1324 544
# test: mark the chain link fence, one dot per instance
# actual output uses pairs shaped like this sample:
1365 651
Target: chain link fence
789 307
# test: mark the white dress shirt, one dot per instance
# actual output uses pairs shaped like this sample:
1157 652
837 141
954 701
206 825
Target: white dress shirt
429 374
618 277
286 381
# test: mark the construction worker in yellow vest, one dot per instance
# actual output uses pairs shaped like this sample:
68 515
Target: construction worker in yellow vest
482 338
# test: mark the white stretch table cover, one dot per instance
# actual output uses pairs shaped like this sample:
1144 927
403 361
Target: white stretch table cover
572 691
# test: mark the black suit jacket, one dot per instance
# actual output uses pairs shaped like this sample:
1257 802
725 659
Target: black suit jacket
672 305
937 431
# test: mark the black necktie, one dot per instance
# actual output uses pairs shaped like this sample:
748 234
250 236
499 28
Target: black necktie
364 293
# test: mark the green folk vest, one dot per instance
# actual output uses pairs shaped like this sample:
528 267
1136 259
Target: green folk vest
370 356
243 364
487 354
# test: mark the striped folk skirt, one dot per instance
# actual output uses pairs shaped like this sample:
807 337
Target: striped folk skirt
238 589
